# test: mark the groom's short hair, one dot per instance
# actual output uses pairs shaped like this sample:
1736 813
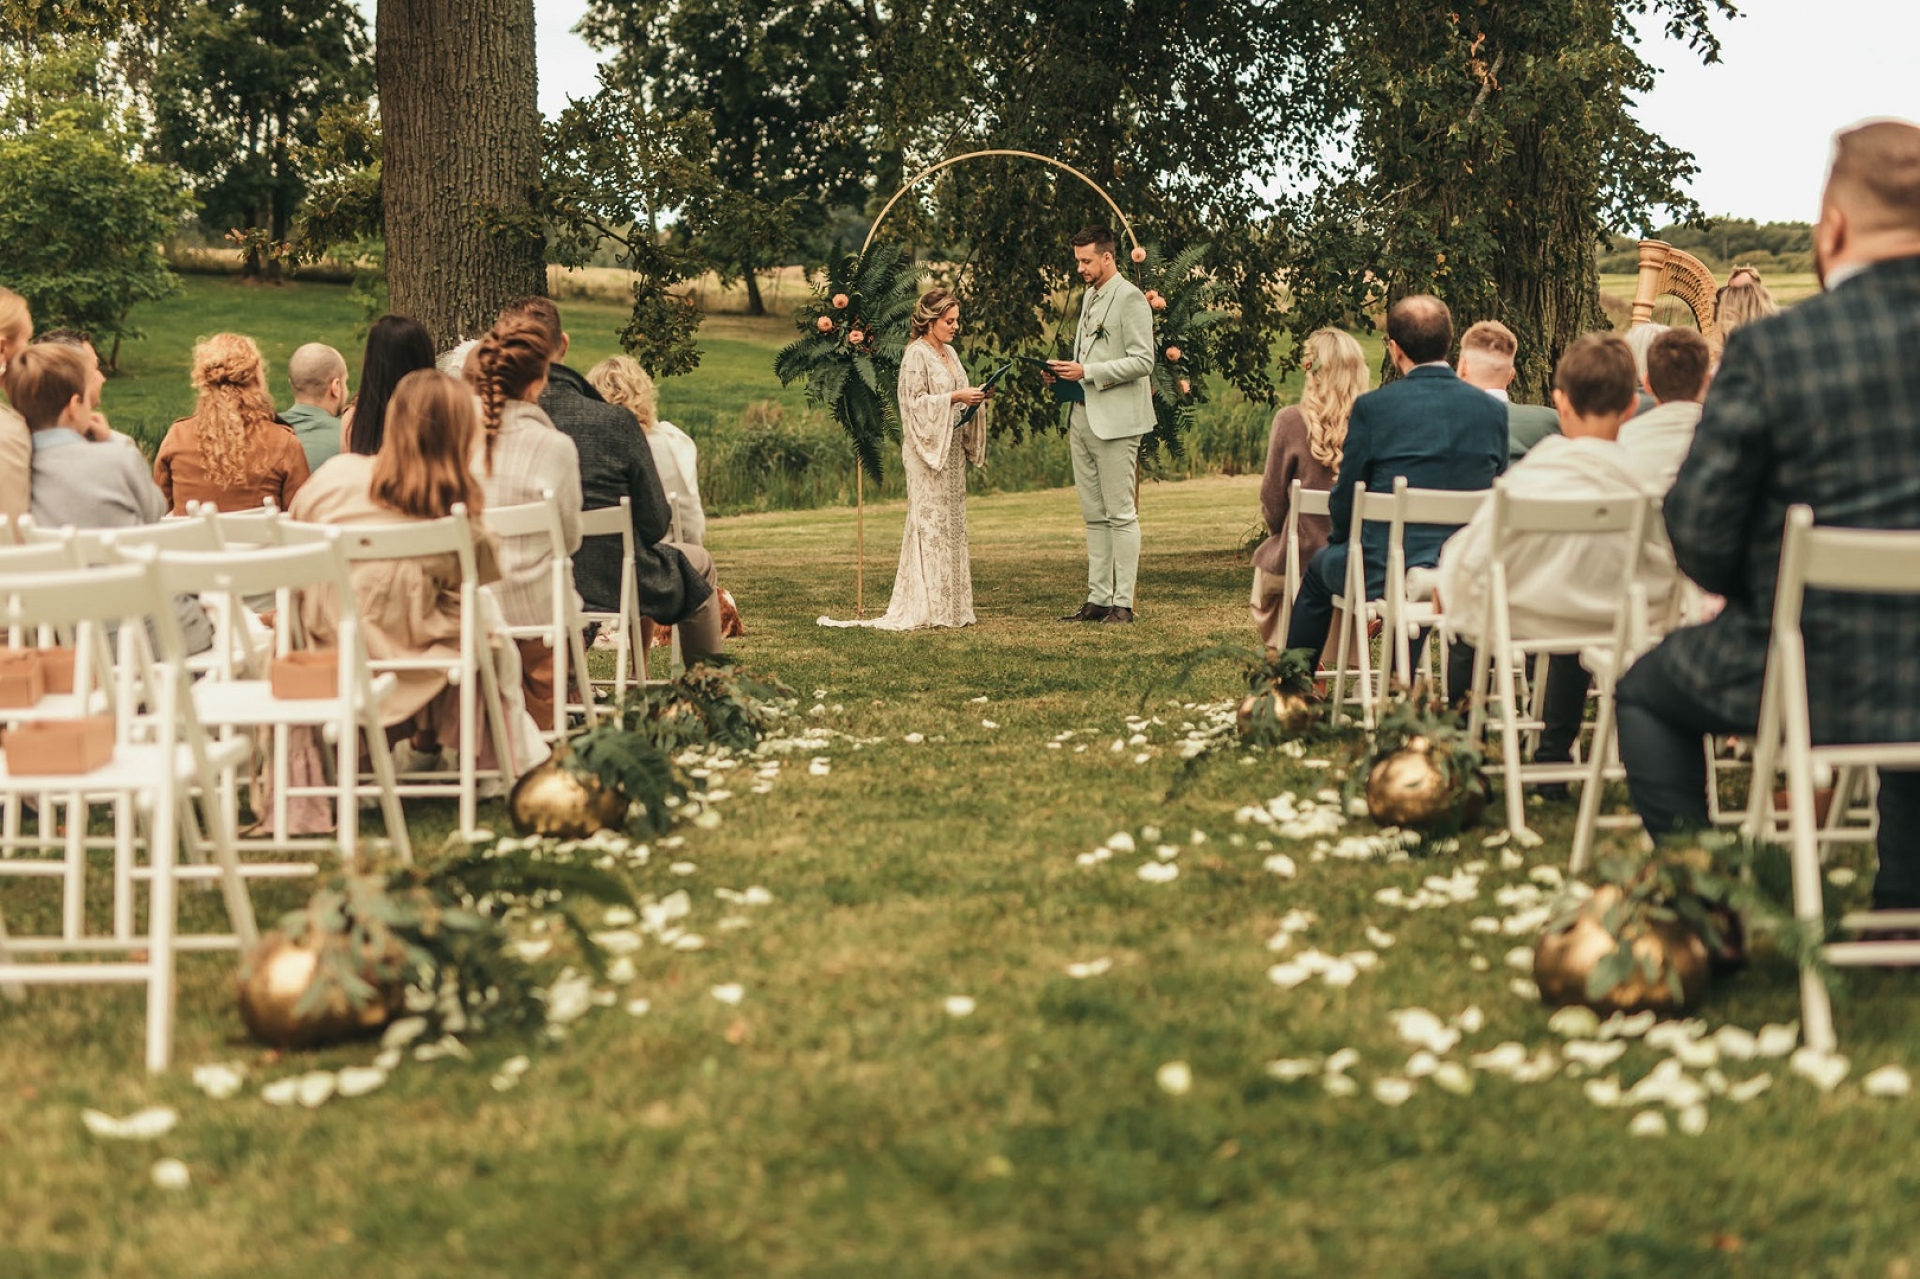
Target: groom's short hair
1098 236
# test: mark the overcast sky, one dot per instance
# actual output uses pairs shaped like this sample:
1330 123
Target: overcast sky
1759 122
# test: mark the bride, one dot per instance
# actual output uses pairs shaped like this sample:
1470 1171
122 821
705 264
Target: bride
934 584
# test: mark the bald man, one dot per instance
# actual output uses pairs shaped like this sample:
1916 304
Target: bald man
319 377
1819 404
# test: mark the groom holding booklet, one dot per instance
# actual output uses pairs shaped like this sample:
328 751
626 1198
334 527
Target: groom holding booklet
1112 359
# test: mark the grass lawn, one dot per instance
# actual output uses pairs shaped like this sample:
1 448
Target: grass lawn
839 1122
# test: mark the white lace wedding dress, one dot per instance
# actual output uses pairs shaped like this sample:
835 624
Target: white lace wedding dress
934 583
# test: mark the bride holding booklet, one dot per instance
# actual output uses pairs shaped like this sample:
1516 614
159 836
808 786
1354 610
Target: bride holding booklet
941 431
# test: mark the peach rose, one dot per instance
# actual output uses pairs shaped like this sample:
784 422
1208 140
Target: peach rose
856 337
1186 387
839 301
824 324
1173 353
1139 254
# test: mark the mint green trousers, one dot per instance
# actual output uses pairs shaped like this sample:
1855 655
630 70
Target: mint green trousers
1104 472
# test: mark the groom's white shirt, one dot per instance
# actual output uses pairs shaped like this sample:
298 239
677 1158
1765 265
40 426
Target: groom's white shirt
1115 346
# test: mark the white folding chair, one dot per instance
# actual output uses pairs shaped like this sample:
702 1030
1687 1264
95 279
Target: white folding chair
1300 501
1405 618
1500 656
1354 614
160 759
561 631
629 647
471 673
1860 562
229 700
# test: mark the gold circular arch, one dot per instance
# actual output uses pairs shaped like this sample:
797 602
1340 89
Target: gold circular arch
924 174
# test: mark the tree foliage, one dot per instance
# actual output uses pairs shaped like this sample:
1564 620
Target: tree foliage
242 88
81 226
772 78
1485 151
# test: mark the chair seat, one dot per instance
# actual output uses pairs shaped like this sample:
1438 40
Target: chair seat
58 706
133 767
251 702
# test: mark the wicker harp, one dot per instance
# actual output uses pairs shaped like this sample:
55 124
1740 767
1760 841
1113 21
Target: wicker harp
1665 270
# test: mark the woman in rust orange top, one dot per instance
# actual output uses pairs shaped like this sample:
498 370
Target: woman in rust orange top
232 452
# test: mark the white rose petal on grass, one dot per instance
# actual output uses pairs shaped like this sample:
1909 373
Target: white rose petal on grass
1823 1070
1747 1089
1091 968
170 1174
1288 1069
1626 1025
1340 973
1479 963
220 1080
914 739
1288 975
281 1092
1390 1090
1603 1092
1159 872
1422 1065
1521 957
1501 1059
1175 1078
1281 865
1594 1054
1888 1081
1453 1077
1574 1022
689 941
1697 1054
987 723
314 1088
820 767
1648 1123
1470 1019
1344 1060
1339 1085
1524 989
1121 842
1166 852
639 1007
1843 876
1776 1040
141 1125
730 993
959 1005
1376 938
1735 1043
358 1081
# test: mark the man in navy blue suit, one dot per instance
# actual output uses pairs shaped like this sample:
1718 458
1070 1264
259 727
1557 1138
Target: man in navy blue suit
1430 426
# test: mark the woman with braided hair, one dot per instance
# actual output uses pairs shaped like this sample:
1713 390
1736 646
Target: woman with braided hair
522 457
233 452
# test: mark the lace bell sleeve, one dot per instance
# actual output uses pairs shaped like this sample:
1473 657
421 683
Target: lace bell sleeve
926 409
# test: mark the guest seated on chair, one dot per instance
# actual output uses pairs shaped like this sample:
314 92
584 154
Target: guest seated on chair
318 374
524 456
1678 364
82 483
1431 427
411 608
1305 445
1487 353
233 452
16 441
1561 585
396 346
1821 405
675 579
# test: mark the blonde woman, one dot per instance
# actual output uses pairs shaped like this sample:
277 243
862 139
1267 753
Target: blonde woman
1306 445
622 381
233 452
16 442
1740 303
934 583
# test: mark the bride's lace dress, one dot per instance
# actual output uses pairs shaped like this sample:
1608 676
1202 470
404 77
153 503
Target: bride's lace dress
934 584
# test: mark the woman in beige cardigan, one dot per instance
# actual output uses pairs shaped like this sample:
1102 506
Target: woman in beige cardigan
408 608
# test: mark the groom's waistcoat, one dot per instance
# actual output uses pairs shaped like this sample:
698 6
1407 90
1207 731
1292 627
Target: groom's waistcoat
1115 344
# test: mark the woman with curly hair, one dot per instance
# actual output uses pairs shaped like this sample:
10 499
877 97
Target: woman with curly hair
522 458
1306 445
233 452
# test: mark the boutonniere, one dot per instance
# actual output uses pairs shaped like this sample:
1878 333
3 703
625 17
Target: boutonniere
1099 332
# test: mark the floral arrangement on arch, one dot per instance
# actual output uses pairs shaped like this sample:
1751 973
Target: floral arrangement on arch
853 334
1182 297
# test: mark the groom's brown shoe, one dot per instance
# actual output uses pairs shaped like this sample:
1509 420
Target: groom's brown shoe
1118 615
1089 612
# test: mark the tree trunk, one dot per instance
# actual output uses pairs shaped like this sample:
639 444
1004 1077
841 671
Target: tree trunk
460 112
756 305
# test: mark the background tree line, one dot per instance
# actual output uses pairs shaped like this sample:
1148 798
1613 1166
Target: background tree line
1334 154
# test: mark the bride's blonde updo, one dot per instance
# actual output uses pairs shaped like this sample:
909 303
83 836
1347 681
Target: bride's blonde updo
934 303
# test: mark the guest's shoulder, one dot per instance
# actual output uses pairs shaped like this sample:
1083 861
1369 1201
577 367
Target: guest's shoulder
1289 422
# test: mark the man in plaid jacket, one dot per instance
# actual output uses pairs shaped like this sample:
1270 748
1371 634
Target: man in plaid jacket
1820 405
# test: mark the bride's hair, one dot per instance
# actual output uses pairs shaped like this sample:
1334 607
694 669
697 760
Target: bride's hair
934 303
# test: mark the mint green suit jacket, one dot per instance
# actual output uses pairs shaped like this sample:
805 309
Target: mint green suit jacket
1115 345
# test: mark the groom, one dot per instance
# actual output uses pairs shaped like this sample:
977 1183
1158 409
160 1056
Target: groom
1112 358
